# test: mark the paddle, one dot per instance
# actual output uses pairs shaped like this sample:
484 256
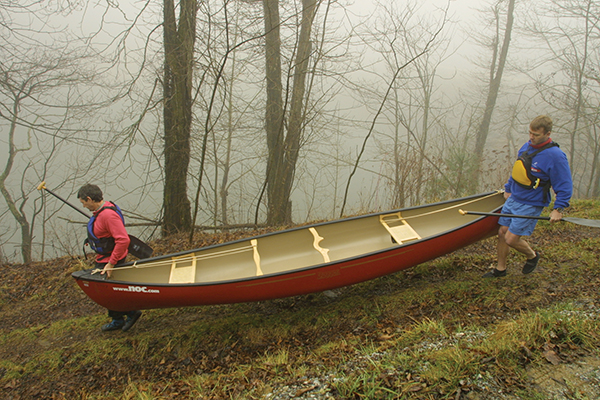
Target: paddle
43 186
594 223
136 248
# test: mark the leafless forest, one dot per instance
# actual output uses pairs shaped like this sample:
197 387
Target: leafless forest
217 114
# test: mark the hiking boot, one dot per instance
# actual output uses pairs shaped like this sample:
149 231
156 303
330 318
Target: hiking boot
494 273
132 317
531 263
113 325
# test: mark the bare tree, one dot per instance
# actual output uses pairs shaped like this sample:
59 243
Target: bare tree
16 210
217 85
56 88
500 45
24 85
284 146
179 38
411 46
570 32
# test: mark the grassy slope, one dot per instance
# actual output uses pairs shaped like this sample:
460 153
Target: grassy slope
435 331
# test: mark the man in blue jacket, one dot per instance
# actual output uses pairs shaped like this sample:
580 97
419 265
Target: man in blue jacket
527 192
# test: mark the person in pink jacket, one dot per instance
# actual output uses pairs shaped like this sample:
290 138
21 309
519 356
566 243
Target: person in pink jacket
108 237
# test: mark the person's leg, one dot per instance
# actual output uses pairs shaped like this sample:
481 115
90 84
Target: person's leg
117 317
510 235
502 248
118 321
123 320
512 232
517 243
132 317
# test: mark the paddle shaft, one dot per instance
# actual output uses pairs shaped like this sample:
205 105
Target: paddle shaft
503 215
136 246
43 186
594 223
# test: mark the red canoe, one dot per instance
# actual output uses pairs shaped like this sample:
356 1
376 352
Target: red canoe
297 261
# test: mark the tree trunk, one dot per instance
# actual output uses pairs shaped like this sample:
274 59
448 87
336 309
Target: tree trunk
177 88
496 71
274 112
284 150
16 211
594 184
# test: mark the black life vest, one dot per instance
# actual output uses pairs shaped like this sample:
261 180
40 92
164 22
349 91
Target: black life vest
105 245
521 172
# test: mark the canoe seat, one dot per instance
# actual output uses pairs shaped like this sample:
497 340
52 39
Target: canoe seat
397 226
183 269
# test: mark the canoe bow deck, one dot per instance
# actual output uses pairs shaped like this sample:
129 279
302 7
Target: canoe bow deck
296 261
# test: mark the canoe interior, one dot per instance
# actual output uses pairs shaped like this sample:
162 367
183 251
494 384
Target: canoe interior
308 246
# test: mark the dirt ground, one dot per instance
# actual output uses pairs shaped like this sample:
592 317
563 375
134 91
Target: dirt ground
34 294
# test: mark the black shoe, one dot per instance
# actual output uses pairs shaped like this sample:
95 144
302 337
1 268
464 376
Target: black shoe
113 325
494 273
531 264
132 317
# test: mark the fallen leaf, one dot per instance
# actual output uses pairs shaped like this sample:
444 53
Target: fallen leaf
305 390
528 352
551 356
415 388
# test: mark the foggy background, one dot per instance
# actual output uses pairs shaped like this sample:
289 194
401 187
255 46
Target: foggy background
398 92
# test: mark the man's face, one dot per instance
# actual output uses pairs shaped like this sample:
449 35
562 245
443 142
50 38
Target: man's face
88 203
538 136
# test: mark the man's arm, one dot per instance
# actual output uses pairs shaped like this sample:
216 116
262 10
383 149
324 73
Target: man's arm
562 183
113 227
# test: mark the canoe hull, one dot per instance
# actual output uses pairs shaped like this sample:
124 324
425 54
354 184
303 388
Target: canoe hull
124 296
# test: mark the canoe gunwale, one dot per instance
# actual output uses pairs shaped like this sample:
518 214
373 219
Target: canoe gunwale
85 275
316 225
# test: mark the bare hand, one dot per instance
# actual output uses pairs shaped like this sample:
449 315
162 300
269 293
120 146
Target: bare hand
555 216
108 269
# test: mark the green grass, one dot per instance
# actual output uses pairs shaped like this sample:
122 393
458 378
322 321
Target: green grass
443 358
433 355
432 332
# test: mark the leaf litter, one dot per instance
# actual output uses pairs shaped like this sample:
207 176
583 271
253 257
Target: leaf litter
34 296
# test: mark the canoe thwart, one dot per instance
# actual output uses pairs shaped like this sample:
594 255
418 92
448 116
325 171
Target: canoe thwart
317 246
183 270
397 226
254 244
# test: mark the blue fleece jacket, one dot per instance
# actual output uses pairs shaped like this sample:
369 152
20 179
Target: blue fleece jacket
549 164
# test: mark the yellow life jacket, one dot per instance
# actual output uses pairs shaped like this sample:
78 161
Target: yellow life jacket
521 171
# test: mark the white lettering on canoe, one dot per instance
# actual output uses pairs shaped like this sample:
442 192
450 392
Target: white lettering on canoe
135 289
